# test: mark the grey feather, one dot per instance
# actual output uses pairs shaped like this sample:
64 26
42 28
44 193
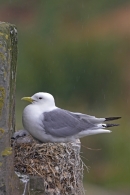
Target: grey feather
62 123
20 133
91 119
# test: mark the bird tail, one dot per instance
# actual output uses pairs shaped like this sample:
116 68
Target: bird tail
109 125
100 127
112 118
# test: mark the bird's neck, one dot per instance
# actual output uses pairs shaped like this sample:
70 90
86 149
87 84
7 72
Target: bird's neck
46 107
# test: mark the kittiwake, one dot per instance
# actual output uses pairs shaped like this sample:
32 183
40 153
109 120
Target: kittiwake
48 123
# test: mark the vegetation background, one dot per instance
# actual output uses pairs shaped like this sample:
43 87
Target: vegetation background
79 51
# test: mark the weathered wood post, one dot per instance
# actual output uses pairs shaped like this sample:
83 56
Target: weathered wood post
8 59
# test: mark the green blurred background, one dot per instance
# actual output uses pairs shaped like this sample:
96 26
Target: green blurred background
79 51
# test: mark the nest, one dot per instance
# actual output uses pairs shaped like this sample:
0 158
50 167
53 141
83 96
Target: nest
59 164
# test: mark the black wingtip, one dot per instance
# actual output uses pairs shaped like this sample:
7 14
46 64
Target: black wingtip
112 118
111 125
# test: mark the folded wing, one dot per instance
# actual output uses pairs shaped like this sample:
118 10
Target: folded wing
62 123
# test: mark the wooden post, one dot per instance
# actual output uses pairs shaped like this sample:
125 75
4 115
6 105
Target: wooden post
8 59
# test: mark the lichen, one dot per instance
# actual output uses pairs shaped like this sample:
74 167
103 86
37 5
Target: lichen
1 132
5 35
1 34
2 97
7 151
2 56
0 164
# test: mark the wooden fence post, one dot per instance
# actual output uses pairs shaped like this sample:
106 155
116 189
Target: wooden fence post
8 59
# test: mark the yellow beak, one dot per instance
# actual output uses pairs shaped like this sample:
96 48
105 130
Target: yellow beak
29 99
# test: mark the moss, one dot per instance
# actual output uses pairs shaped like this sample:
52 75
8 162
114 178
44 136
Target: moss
1 34
0 164
2 56
6 151
1 132
2 97
4 34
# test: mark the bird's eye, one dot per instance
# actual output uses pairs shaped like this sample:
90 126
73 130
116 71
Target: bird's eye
40 98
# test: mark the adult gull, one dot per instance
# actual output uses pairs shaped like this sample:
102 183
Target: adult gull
48 123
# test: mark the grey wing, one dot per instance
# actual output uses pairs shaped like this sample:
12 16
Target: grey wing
88 118
62 123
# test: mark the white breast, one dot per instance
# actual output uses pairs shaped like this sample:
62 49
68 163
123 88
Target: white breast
30 118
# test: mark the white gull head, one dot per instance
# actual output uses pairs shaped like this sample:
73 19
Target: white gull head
43 99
